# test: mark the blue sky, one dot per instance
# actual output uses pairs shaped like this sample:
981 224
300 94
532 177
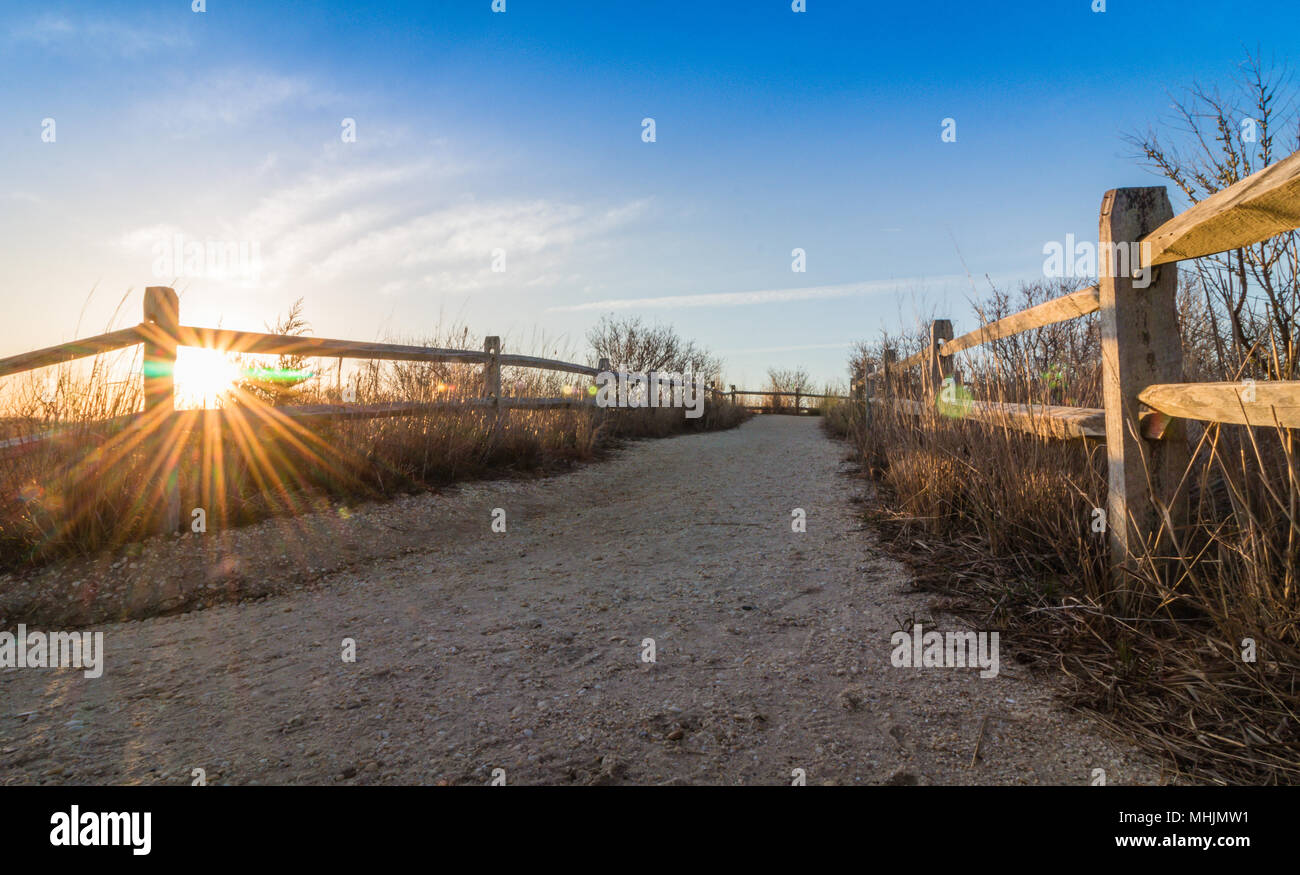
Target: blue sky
522 131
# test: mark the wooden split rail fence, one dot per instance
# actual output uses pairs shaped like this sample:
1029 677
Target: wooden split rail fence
1144 396
797 396
161 334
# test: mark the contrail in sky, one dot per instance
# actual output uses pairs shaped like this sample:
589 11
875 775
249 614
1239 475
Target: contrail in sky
767 296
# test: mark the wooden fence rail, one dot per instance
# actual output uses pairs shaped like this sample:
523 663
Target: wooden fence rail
57 355
1144 397
161 333
797 396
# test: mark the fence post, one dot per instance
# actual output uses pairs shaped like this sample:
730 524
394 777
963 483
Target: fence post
887 359
797 396
599 413
937 366
492 379
162 309
492 369
1140 345
733 393
866 394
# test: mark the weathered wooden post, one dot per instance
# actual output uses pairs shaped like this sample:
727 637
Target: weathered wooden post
937 366
602 367
888 357
492 379
866 395
1140 346
798 394
860 392
162 319
492 370
733 393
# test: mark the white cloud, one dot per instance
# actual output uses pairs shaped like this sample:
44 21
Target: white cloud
364 227
743 299
295 206
466 235
754 350
192 104
144 239
97 35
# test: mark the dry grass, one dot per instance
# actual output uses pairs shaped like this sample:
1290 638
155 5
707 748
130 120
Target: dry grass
96 485
1002 520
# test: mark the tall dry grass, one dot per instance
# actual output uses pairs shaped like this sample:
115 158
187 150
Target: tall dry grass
1002 522
92 483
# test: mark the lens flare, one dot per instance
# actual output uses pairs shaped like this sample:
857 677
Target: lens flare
203 377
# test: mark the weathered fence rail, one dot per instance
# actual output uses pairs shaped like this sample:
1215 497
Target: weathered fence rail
1144 397
798 397
161 333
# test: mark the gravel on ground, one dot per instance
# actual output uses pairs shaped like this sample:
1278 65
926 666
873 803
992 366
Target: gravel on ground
524 651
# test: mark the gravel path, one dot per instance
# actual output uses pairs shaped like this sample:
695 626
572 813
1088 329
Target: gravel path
478 650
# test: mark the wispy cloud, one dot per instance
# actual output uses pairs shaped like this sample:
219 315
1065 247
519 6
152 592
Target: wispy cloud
754 350
469 234
96 35
302 222
370 227
326 192
194 104
766 296
144 239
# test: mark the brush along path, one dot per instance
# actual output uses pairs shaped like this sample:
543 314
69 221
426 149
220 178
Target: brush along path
522 650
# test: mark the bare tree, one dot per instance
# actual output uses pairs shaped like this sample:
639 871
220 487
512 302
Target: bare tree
787 380
634 346
1215 140
1054 364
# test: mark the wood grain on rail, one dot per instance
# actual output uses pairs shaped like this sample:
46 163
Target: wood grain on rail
66 352
1265 403
226 340
1262 205
1061 309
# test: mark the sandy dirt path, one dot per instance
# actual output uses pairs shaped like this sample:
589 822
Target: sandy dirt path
522 650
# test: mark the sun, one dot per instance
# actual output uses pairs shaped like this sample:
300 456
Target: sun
203 376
